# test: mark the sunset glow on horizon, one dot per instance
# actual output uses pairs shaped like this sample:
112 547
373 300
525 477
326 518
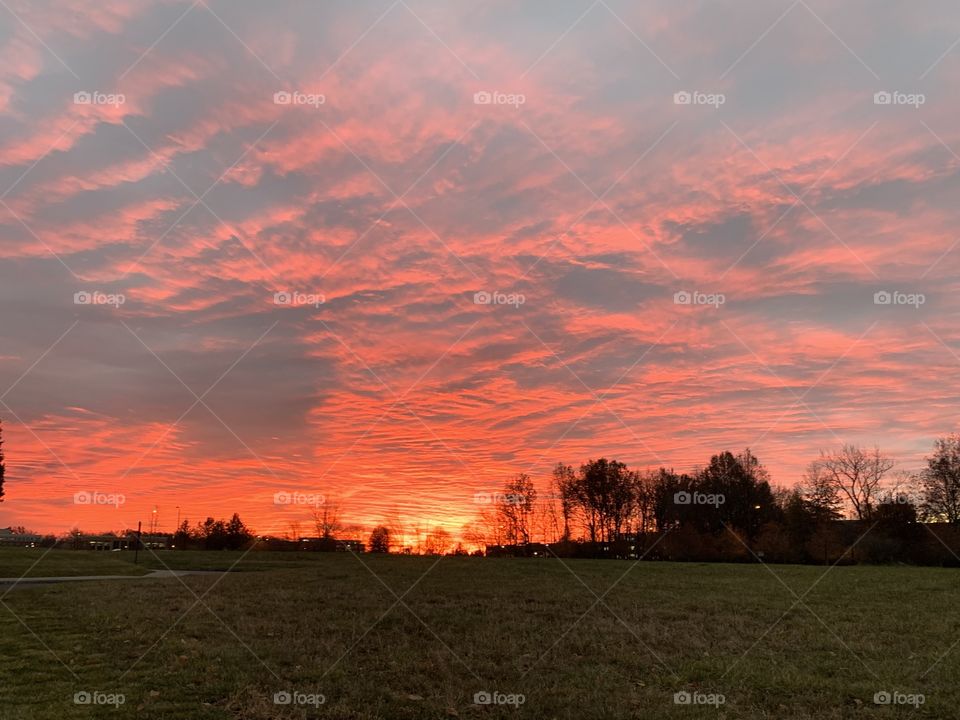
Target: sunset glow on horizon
393 253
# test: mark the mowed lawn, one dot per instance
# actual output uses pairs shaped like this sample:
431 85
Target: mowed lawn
42 562
415 637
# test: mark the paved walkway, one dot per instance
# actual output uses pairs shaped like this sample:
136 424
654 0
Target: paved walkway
157 574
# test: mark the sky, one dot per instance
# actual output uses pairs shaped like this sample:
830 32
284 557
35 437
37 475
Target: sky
390 254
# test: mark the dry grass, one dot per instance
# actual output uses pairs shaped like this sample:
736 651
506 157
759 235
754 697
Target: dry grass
326 624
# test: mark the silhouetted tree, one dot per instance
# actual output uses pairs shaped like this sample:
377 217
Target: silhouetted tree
565 482
398 530
181 538
895 512
515 508
642 519
236 534
474 534
893 536
73 538
211 533
856 473
437 542
940 481
665 485
380 539
327 520
604 493
743 483
821 495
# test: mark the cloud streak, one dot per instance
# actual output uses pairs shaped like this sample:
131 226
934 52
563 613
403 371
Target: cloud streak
384 191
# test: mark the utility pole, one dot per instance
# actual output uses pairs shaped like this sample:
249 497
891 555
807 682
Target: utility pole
136 550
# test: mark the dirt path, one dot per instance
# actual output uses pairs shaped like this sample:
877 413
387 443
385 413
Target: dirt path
15 582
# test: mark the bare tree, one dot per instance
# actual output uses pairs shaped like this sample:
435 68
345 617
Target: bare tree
491 525
417 531
856 473
644 502
516 507
294 530
940 481
397 528
547 519
438 542
327 520
379 540
820 495
474 534
565 482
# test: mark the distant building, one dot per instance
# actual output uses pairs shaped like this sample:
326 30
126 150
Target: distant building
356 546
526 550
9 536
127 541
332 545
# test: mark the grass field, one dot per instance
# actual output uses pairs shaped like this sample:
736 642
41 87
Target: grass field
332 625
38 562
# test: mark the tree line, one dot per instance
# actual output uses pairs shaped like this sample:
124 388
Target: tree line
232 534
728 509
